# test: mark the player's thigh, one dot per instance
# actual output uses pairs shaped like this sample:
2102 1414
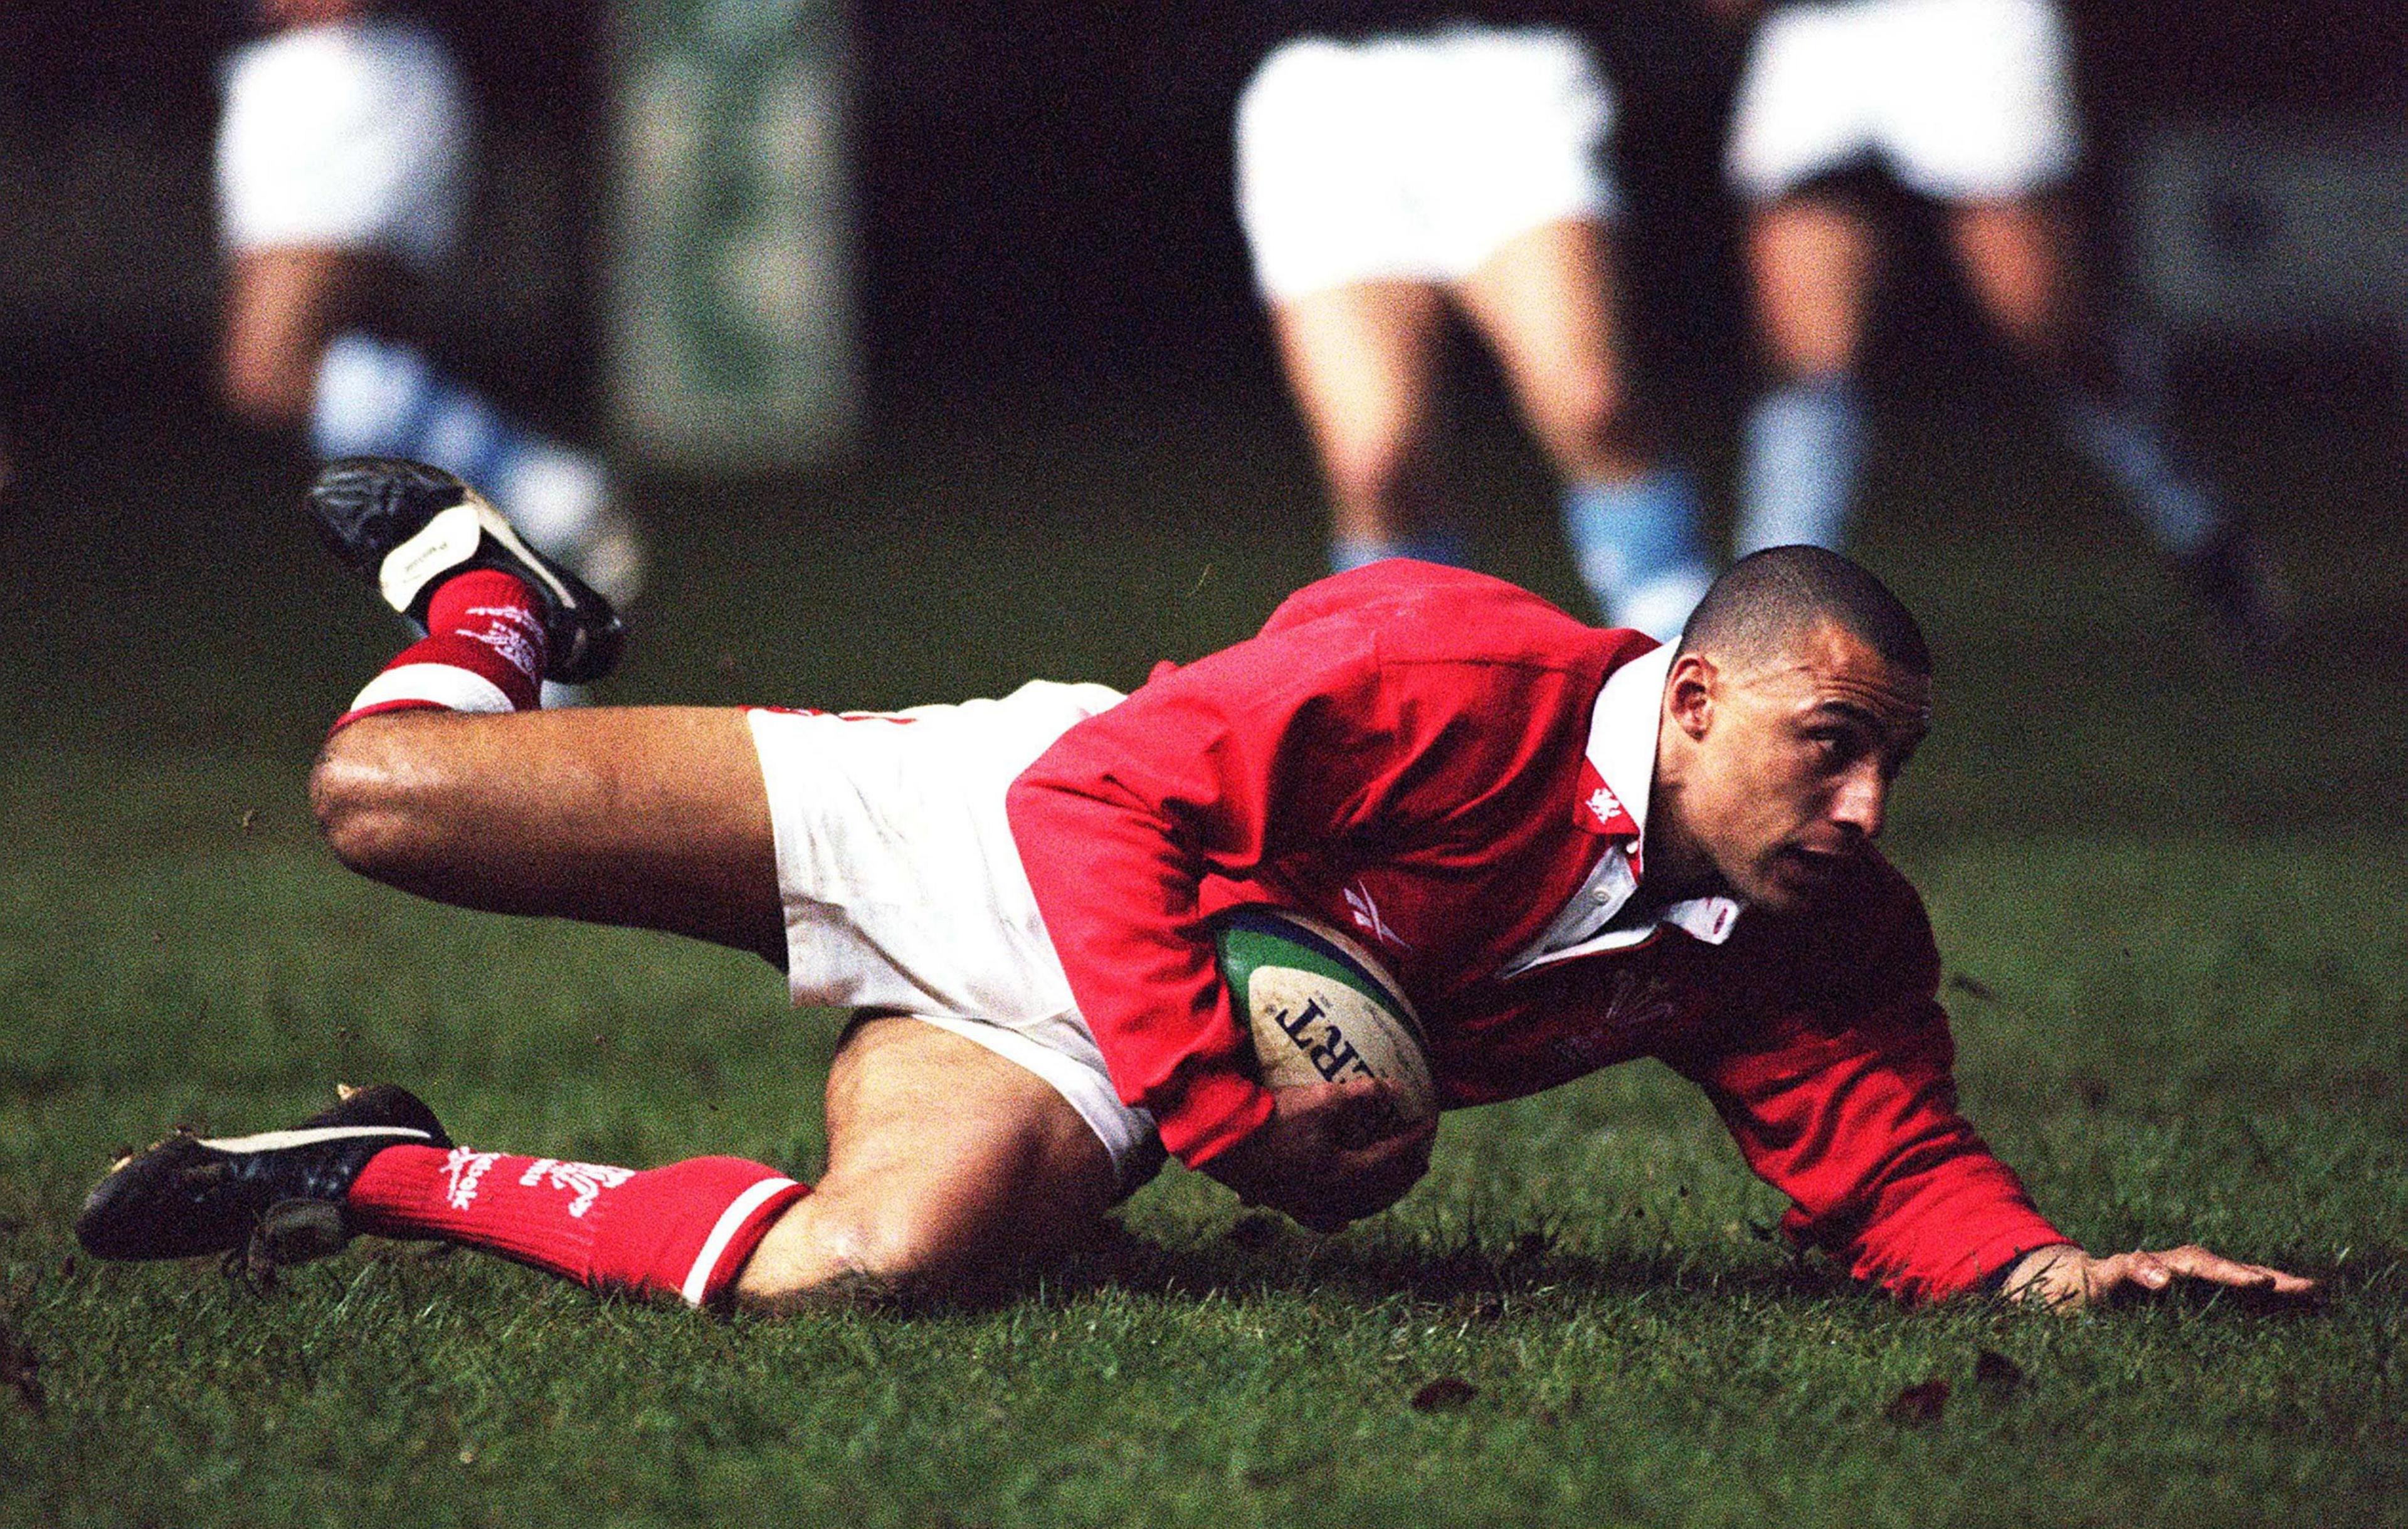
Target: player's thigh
654 816
1363 361
950 1170
1813 262
1545 303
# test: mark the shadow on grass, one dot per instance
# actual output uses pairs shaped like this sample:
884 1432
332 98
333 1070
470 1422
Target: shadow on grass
1261 1257
1465 1277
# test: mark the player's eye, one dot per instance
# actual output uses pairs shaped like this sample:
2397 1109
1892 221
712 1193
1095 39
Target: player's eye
1835 744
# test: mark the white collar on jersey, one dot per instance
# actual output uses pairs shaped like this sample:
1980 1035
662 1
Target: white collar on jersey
1622 736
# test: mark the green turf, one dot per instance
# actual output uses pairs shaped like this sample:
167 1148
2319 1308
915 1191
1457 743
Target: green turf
2169 893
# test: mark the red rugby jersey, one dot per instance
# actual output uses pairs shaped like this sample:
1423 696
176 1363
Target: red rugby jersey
1411 739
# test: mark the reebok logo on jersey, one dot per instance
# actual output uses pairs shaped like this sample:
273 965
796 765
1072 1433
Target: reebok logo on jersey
1367 917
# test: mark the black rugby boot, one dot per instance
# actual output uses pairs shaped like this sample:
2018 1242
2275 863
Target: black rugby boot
405 527
191 1195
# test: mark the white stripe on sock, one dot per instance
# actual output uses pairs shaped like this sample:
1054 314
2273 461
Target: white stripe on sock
446 685
731 1220
273 1141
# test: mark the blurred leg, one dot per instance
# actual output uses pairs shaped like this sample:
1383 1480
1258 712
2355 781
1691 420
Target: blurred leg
949 1170
1544 301
2017 255
1362 359
650 817
282 305
1812 260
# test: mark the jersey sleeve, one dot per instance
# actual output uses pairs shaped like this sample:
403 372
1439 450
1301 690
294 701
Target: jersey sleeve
1850 1109
1220 767
1374 713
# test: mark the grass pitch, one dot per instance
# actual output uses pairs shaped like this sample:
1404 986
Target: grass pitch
2169 892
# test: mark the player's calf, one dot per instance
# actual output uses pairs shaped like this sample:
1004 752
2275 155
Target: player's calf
829 1251
379 1163
500 620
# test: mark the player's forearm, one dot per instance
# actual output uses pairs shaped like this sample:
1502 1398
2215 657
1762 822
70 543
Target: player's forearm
1118 892
1861 1131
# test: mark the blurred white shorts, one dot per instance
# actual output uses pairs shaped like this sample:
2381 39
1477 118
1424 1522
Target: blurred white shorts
1413 157
1964 100
348 135
904 891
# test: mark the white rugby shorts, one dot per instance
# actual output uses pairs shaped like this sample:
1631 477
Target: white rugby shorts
1415 156
349 134
904 891
1964 100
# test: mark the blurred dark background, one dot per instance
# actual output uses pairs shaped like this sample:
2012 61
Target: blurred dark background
1043 196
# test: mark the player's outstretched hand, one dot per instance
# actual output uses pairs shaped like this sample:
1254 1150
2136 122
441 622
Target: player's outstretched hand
2066 1278
1330 1153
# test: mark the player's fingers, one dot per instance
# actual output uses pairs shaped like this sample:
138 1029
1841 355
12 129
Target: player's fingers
2197 1263
1374 1178
1350 1113
2112 1270
1402 1156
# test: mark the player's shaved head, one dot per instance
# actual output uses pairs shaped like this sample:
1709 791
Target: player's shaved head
1767 603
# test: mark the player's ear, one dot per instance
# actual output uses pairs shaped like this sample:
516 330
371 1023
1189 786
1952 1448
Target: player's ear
1689 693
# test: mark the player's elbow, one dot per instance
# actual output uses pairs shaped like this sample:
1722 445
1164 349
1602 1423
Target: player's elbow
362 807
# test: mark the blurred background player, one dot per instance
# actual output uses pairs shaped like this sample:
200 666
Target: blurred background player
342 162
1401 163
1966 102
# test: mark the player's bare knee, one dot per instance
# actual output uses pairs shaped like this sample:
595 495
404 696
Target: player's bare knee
838 1254
1381 475
1591 414
362 808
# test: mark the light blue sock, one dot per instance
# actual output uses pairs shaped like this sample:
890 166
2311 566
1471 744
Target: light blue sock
1639 548
2133 453
1805 449
1348 554
377 397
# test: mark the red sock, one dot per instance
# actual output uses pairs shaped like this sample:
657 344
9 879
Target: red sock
483 652
683 1230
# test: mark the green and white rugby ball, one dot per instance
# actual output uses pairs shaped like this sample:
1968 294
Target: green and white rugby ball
1322 1009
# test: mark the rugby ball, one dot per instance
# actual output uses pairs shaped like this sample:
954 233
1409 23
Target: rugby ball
1321 1007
